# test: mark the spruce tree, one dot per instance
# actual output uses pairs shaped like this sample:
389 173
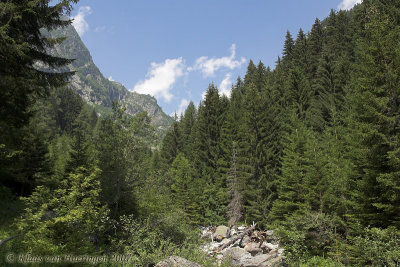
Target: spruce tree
315 45
182 186
23 48
291 183
251 73
288 45
187 124
375 117
235 206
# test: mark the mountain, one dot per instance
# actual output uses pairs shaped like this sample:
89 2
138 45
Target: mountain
98 91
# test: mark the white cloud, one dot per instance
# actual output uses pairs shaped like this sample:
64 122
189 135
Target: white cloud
226 85
160 78
210 65
182 107
203 95
110 79
79 22
348 4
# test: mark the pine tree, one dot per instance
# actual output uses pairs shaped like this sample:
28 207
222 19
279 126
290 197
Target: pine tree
251 73
208 128
69 106
298 92
207 132
182 185
28 75
315 45
172 143
23 45
187 124
288 46
235 206
300 49
375 119
291 184
252 147
81 143
121 154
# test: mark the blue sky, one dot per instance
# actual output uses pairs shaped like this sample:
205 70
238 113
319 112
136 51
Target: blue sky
173 49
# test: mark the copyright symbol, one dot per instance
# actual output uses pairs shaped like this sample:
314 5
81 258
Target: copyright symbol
10 258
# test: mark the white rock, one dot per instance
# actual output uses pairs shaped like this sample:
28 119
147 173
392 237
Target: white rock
225 241
233 232
269 232
271 246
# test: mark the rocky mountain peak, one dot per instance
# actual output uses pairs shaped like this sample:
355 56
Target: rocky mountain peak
97 90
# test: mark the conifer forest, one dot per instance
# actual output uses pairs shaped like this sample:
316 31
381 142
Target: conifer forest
308 148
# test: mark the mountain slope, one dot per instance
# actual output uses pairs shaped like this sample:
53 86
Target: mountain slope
98 91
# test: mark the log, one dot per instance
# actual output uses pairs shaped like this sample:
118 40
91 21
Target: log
233 240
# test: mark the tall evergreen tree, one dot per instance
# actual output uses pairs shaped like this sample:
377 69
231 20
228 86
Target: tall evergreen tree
23 45
251 73
235 206
291 190
375 118
288 45
300 55
187 124
172 143
183 187
315 46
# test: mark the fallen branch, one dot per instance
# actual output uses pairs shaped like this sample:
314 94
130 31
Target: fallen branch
233 240
2 242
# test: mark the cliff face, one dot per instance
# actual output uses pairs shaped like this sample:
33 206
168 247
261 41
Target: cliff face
98 91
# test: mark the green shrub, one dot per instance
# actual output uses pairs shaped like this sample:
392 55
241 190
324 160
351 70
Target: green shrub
320 262
376 247
306 235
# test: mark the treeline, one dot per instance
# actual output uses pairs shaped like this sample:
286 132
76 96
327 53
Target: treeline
310 147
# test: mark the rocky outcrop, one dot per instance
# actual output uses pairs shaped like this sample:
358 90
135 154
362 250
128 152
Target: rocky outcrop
244 246
175 261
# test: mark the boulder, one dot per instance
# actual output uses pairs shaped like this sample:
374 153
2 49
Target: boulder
175 261
225 241
240 257
237 255
259 260
245 240
222 231
253 248
270 246
210 247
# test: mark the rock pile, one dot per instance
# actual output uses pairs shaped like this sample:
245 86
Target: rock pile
175 261
245 246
